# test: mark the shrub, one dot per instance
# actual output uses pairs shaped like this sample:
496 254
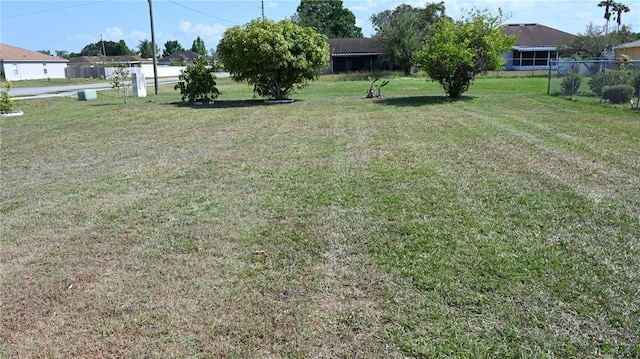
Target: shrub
618 93
571 84
6 100
197 82
274 57
636 84
611 78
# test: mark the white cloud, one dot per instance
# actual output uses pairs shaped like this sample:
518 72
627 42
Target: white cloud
209 33
113 34
185 26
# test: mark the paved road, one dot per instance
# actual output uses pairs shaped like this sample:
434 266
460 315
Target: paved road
23 93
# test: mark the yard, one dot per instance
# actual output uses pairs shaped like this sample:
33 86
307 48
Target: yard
505 224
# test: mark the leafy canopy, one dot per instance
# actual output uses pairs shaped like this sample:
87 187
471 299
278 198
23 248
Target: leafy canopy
199 47
403 30
457 52
145 49
111 48
197 82
171 47
274 57
328 17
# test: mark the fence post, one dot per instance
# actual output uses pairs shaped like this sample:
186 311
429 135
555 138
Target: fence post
604 81
549 81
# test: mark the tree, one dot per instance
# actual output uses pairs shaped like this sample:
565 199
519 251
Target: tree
457 52
110 49
592 44
120 81
607 5
403 30
171 47
123 48
328 17
197 82
46 52
619 8
198 46
274 57
144 47
63 54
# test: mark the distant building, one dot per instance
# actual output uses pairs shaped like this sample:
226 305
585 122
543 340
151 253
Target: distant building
536 46
355 54
22 64
183 58
631 49
102 66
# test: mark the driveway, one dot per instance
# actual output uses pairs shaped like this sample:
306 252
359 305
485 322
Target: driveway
24 93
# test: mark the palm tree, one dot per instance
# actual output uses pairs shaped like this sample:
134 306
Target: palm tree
619 9
608 5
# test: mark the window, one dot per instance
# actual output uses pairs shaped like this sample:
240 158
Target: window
534 58
44 68
15 69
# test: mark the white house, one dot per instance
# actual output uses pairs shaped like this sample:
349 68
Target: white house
22 64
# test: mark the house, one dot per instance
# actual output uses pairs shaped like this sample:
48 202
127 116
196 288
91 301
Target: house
102 66
536 46
355 54
631 49
22 64
183 58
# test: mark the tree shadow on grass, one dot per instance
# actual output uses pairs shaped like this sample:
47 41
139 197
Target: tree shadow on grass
416 101
227 104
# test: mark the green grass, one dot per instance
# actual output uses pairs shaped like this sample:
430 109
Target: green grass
52 82
505 224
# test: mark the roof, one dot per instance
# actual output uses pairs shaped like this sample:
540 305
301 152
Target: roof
536 35
355 47
629 45
177 56
101 59
12 53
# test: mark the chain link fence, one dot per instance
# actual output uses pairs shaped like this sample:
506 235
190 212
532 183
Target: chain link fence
601 81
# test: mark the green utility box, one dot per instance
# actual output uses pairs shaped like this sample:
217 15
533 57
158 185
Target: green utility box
85 95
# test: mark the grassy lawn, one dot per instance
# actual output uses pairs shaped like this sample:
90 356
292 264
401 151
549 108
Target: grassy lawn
53 82
505 224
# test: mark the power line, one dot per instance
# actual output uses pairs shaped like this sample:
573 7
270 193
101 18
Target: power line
52 10
202 13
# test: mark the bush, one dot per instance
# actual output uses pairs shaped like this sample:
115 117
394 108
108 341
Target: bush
618 93
636 84
571 84
611 78
197 82
6 100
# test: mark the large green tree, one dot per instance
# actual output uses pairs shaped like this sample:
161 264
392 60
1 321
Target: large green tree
171 47
274 57
199 47
111 48
592 44
459 51
403 30
328 17
145 49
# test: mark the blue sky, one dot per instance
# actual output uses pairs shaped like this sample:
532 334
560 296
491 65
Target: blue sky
71 25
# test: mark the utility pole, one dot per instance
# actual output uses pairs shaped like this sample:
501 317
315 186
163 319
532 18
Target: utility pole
262 10
153 50
104 53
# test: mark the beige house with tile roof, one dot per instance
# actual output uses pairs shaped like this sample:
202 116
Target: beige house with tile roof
631 49
21 64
